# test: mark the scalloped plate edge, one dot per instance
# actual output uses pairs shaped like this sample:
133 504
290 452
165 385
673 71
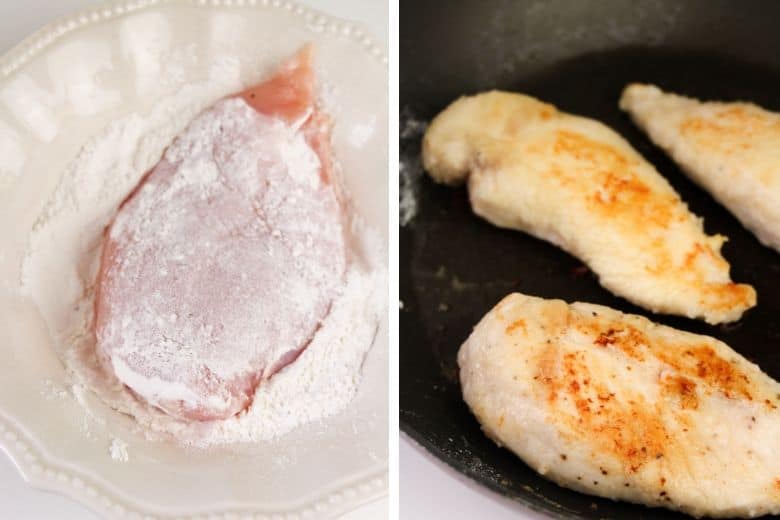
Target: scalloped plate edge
47 473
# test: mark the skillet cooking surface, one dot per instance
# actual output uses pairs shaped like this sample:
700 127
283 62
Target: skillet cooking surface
454 266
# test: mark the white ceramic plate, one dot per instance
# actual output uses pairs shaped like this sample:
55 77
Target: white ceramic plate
68 82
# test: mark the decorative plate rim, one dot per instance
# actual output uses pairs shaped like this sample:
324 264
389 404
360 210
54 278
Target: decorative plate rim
47 473
318 21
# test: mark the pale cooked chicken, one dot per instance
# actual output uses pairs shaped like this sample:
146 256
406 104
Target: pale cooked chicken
732 150
615 405
576 183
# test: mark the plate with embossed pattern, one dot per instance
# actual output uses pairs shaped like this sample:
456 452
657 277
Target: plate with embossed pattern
71 80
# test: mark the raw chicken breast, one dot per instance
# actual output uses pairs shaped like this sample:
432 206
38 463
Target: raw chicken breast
615 405
732 150
574 182
219 268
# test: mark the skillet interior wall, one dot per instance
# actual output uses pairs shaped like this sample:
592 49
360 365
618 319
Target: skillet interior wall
456 47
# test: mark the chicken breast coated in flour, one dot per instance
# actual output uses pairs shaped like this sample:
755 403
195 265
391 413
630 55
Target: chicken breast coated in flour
731 150
615 405
576 183
220 267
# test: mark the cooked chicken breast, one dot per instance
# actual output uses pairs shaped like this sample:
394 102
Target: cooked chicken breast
576 183
732 150
615 405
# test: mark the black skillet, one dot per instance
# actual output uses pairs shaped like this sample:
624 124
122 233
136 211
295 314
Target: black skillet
454 267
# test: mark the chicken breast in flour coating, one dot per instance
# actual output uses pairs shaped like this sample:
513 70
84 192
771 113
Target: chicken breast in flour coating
219 269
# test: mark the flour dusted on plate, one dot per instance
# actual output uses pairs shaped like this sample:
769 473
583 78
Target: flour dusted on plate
118 450
323 379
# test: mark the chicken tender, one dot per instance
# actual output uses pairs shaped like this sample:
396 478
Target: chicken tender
732 150
576 183
614 405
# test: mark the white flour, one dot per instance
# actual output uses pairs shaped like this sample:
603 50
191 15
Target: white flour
61 265
118 450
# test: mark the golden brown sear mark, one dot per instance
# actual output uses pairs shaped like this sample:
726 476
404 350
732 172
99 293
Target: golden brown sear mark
626 338
517 324
627 425
730 130
628 428
619 190
701 363
697 363
701 250
576 145
726 295
606 338
684 390
739 121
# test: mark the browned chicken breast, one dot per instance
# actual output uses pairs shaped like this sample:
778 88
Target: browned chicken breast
615 405
576 183
730 149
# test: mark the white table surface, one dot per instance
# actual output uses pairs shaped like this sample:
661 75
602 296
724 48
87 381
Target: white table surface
18 19
431 489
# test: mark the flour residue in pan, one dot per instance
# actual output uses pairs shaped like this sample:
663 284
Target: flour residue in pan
410 168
